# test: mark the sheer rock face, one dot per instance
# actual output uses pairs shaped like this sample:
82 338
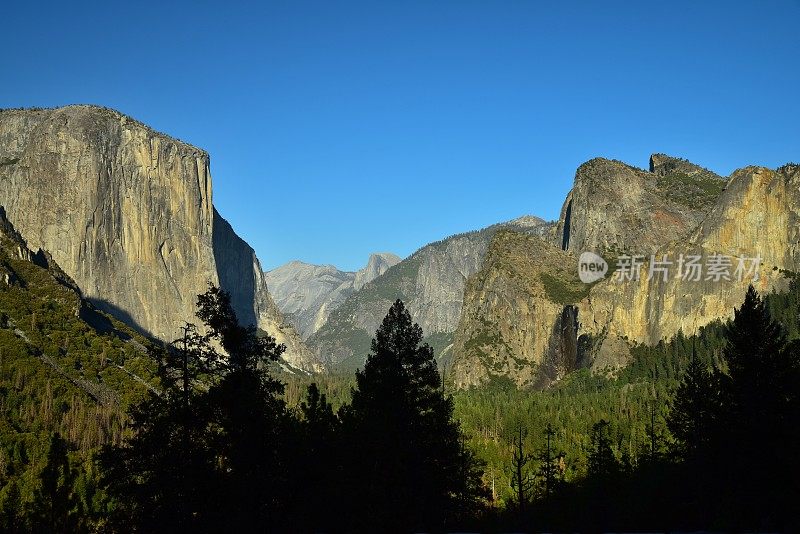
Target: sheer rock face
614 206
241 275
755 213
431 284
307 294
125 211
515 323
758 215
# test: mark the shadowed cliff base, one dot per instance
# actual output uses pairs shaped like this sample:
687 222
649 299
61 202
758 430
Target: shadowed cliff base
103 325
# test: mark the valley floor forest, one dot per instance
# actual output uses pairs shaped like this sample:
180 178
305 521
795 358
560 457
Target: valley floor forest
700 432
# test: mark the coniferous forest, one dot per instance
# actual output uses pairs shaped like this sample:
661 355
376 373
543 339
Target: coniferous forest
697 433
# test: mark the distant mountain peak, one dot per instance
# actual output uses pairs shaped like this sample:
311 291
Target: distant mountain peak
527 221
307 293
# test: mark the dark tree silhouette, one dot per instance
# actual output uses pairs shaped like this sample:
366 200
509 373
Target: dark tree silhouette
694 410
758 423
207 451
163 476
522 477
317 472
249 420
408 462
603 464
548 475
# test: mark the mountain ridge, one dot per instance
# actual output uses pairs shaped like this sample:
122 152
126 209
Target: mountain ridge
612 209
307 293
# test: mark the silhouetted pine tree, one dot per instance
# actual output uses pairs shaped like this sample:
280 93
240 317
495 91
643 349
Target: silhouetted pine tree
522 476
758 437
317 472
163 477
548 475
249 420
603 464
408 464
694 411
209 450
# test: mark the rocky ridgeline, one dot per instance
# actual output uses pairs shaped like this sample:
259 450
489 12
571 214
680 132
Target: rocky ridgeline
430 282
307 294
127 213
526 320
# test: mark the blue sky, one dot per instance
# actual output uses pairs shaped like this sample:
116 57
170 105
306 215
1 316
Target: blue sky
340 128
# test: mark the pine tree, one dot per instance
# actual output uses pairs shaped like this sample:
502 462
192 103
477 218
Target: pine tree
409 463
317 469
758 421
694 410
603 464
761 371
249 418
548 474
522 479
207 450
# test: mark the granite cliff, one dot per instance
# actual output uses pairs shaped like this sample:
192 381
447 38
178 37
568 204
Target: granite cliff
676 209
127 213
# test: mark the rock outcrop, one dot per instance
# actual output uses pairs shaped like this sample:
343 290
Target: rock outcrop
127 212
757 216
307 294
517 320
677 210
613 206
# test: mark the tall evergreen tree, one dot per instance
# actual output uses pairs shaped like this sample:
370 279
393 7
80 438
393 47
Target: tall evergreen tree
549 473
694 410
603 464
522 476
316 469
209 450
408 463
163 476
758 435
249 419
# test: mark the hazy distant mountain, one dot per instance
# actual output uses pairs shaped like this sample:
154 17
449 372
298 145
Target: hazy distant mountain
430 282
307 294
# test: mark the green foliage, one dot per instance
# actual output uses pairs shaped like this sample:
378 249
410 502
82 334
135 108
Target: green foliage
691 190
562 291
59 375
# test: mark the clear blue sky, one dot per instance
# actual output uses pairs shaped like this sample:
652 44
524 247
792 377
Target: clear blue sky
340 128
